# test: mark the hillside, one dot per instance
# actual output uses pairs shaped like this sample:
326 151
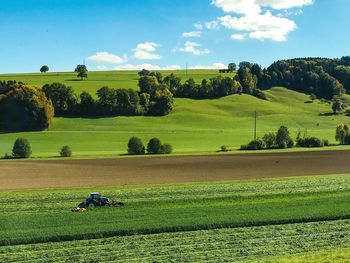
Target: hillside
98 79
194 126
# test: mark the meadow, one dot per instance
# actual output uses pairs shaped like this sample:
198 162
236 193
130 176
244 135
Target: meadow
193 127
259 220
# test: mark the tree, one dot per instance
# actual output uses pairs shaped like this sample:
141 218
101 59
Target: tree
270 140
337 105
63 98
283 139
87 105
148 84
162 102
24 108
82 71
166 148
247 79
143 73
232 67
173 82
66 151
44 69
135 146
342 131
154 146
21 148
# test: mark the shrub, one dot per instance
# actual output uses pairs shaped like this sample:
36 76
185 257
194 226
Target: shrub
21 148
270 140
325 142
257 144
283 139
166 148
66 151
7 156
310 142
135 146
154 146
224 149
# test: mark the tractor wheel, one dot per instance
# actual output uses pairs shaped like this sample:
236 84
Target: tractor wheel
91 205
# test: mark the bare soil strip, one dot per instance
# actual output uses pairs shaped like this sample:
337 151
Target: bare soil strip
154 170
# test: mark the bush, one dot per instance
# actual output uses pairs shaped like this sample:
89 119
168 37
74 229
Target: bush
257 144
135 146
154 146
166 148
270 140
283 139
310 142
21 148
224 149
66 151
7 156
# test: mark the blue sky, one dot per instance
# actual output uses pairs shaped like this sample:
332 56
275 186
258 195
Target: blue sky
159 34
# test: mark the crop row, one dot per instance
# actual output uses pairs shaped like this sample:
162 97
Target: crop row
221 245
195 207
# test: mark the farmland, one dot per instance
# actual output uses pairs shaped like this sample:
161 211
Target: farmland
246 220
193 127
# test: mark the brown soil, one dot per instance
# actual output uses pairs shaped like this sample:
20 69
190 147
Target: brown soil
122 171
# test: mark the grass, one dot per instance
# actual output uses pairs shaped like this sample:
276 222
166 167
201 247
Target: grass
43 216
98 79
156 220
194 127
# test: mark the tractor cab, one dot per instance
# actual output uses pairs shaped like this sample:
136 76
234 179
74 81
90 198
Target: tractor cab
95 195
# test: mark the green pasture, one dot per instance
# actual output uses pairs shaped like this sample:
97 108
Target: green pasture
194 126
98 79
248 221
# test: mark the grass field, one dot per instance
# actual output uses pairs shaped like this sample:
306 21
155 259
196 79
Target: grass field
245 221
194 126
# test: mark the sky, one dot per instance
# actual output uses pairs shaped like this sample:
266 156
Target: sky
167 34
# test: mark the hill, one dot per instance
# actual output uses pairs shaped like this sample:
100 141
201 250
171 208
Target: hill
194 126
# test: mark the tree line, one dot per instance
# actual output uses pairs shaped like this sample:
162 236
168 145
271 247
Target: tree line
325 78
216 87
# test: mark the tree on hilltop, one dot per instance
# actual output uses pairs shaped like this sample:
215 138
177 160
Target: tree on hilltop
82 71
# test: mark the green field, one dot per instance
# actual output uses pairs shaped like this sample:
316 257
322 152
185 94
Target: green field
245 221
193 127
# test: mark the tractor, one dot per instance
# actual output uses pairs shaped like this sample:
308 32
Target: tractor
96 200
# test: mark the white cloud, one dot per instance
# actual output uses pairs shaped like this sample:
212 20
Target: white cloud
212 25
238 37
262 26
284 4
192 34
255 18
146 66
198 26
146 50
107 58
217 65
194 48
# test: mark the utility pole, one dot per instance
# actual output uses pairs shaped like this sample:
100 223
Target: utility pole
255 116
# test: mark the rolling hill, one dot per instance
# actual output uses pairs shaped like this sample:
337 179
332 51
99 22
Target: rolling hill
194 126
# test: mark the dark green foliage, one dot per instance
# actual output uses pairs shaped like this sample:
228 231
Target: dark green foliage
21 148
173 82
337 105
154 146
66 151
310 142
24 108
44 69
63 98
342 133
232 67
135 146
148 84
257 144
283 139
162 102
87 105
270 140
166 148
81 71
143 73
